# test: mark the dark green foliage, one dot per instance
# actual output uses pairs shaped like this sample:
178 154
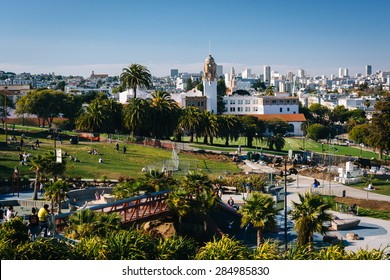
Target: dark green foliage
14 231
45 249
176 248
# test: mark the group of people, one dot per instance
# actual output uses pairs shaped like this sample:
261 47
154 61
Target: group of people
37 222
117 148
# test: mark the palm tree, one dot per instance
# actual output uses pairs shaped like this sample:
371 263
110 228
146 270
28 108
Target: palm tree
137 117
209 126
134 76
228 128
37 164
164 114
190 121
200 192
45 165
179 202
56 192
259 211
225 248
279 142
126 189
92 117
309 216
155 181
252 128
113 112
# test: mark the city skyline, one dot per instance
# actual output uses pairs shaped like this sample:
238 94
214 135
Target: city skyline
78 37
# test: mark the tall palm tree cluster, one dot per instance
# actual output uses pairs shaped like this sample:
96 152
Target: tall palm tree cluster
160 117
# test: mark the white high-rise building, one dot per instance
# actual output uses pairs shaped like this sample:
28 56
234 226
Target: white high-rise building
301 73
267 75
246 74
343 72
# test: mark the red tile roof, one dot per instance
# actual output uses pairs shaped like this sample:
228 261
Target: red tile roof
283 117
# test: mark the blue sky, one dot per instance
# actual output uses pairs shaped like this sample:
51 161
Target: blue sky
78 37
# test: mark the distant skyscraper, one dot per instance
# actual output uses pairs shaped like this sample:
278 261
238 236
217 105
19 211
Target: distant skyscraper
174 73
289 76
219 71
301 73
246 74
343 72
368 70
267 74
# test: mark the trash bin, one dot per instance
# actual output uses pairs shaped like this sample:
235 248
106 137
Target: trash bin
344 193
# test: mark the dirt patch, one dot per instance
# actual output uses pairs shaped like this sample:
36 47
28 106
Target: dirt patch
318 173
364 203
159 228
209 156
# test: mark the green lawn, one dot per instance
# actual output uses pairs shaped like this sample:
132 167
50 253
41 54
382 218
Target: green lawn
296 144
114 164
130 164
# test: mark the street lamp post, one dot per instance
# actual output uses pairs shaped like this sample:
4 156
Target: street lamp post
5 114
285 205
285 174
361 149
256 141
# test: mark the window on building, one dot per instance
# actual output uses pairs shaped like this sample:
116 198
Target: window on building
232 109
239 109
247 101
239 102
288 109
273 102
247 109
255 109
233 101
255 101
280 110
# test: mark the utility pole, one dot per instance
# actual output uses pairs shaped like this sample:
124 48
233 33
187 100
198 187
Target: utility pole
5 115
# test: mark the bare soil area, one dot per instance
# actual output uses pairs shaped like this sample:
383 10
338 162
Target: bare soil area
368 204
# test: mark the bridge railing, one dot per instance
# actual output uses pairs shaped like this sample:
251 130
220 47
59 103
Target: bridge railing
131 209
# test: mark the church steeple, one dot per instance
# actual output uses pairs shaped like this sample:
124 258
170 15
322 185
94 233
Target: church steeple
210 83
209 69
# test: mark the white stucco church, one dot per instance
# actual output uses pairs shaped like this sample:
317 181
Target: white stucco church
280 106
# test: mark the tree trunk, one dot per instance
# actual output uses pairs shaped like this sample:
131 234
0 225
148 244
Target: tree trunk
36 186
258 237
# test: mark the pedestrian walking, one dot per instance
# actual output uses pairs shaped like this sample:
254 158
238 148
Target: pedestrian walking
124 149
33 224
117 147
43 216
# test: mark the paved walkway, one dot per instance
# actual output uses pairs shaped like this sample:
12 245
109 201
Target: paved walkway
373 233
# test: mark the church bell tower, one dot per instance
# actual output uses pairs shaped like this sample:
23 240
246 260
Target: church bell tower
210 83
